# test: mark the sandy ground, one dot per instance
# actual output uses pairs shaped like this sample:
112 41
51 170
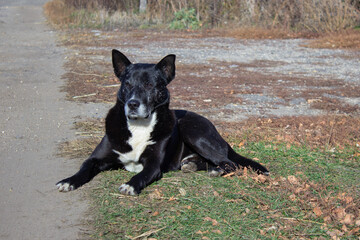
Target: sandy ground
34 118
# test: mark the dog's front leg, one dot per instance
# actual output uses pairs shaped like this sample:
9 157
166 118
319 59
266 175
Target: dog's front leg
150 173
103 158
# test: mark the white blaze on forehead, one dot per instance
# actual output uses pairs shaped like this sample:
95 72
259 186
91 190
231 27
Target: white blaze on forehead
141 130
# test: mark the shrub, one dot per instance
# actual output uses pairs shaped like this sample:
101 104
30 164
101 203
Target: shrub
185 19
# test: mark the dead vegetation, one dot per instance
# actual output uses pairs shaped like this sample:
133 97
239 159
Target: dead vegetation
289 16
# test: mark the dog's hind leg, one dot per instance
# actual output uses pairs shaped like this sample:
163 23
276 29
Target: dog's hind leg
201 136
103 158
194 162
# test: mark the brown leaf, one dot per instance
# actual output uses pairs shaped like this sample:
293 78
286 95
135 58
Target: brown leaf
245 172
354 231
155 214
293 180
292 197
348 219
317 211
339 213
348 200
260 178
156 194
229 174
216 194
217 231
327 219
213 221
172 198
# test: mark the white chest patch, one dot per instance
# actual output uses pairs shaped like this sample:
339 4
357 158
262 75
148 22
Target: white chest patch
141 130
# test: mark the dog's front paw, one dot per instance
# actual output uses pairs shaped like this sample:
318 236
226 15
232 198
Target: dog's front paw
189 167
65 186
127 190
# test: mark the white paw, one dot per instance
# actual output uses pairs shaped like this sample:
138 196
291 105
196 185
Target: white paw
65 187
189 167
127 189
216 173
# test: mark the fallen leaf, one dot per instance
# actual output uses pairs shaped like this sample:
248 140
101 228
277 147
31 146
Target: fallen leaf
156 194
182 192
339 213
229 174
155 214
213 221
317 211
293 180
172 198
354 231
217 231
216 194
260 178
327 219
348 219
241 144
292 197
245 172
349 200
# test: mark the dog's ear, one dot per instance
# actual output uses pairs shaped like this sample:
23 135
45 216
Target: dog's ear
120 62
167 65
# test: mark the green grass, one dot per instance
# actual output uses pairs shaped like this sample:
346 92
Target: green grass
194 206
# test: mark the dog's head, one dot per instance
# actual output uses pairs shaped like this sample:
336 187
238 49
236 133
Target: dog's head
143 86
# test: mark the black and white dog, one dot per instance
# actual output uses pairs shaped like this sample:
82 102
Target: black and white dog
144 136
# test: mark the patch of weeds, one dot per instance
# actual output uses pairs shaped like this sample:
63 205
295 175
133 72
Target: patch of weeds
185 19
310 193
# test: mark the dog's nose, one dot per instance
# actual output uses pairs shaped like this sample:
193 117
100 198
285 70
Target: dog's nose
133 104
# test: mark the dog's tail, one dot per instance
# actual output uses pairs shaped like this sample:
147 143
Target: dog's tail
245 162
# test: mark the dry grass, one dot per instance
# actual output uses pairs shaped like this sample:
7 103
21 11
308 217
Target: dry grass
275 16
349 39
57 12
89 134
262 33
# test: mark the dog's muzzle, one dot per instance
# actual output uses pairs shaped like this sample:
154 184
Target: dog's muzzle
134 110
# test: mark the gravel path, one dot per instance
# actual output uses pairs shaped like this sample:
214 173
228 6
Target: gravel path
34 118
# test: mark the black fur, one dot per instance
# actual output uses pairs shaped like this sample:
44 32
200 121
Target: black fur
165 140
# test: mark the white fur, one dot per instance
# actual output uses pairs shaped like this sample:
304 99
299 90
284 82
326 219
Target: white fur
141 130
127 189
190 156
65 187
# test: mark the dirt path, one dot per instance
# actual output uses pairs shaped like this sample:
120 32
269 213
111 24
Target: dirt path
34 118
